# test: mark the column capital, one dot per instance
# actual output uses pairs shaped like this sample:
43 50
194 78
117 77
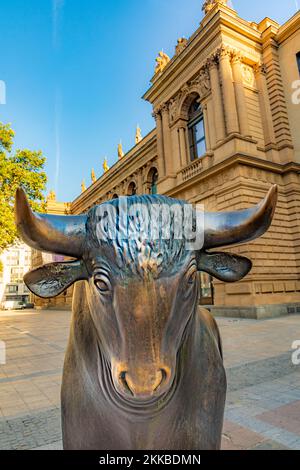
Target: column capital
260 68
211 62
156 113
224 52
165 108
236 57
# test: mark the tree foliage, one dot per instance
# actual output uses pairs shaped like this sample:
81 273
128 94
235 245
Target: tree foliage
20 168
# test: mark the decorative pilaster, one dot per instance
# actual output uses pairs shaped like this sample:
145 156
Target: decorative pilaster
231 118
240 93
217 99
206 128
182 144
138 176
211 124
176 164
265 108
160 146
167 139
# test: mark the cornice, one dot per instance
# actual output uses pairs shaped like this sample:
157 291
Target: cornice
199 42
234 160
289 28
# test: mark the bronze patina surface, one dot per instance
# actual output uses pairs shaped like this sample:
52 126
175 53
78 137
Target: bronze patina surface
143 367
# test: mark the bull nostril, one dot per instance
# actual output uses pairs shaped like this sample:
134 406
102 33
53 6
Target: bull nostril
122 378
163 378
145 384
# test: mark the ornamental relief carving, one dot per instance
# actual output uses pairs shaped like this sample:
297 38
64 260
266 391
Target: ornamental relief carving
200 85
248 75
177 106
224 51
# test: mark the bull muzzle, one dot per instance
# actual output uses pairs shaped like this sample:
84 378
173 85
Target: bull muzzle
142 382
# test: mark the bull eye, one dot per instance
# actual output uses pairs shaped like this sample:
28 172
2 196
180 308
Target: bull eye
102 283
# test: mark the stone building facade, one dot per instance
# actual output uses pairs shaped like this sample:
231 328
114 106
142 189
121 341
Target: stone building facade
227 114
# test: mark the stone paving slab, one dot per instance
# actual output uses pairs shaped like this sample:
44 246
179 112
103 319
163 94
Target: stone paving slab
263 400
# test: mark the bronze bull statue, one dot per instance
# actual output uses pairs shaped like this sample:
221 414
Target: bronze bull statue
143 367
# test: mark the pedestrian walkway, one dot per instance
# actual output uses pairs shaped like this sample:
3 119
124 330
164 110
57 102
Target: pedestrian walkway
263 400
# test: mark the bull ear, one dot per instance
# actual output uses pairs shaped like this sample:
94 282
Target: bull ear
224 266
52 279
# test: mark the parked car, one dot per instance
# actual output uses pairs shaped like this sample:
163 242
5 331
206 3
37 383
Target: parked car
29 305
13 305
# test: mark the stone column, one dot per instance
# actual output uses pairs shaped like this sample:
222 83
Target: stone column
206 128
167 140
210 118
231 118
160 146
139 180
182 144
265 108
240 96
217 100
176 161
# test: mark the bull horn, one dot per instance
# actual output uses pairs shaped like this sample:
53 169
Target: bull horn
227 228
59 234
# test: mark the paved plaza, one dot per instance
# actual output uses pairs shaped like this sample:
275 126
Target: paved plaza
263 401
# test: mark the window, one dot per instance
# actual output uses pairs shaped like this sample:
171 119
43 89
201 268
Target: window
154 179
12 258
298 60
11 289
132 189
196 131
16 275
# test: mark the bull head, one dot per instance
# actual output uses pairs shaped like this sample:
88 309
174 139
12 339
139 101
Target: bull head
143 342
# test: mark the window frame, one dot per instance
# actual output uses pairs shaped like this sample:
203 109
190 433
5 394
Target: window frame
194 120
154 180
298 61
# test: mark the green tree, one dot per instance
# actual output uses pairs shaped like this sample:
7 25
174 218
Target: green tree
20 168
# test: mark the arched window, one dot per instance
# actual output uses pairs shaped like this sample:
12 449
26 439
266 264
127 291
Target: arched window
131 189
298 60
154 179
196 131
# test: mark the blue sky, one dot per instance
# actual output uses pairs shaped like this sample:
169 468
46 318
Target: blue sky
75 71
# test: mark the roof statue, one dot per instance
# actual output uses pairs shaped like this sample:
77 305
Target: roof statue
120 151
105 165
51 196
93 176
161 61
181 45
138 135
83 186
209 4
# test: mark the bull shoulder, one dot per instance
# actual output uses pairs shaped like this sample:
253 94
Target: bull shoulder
210 323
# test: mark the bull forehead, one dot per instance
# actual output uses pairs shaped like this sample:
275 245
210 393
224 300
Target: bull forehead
144 260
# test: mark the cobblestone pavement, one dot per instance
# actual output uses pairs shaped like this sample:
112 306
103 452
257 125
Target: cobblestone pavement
263 401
